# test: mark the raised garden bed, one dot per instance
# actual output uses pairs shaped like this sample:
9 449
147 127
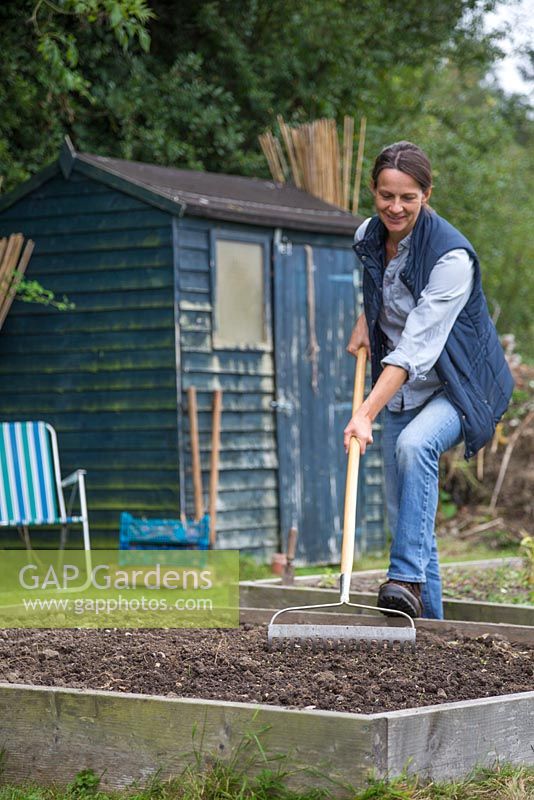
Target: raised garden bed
334 710
466 580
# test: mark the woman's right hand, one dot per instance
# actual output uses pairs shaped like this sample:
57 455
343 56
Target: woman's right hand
360 427
359 337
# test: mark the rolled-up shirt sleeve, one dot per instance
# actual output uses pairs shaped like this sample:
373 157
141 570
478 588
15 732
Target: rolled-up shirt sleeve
429 323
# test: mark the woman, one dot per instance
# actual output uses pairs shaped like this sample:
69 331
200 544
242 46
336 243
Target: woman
438 369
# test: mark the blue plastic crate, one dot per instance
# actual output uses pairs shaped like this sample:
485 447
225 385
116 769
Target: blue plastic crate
168 534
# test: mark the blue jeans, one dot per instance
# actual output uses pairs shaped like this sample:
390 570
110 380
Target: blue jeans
413 442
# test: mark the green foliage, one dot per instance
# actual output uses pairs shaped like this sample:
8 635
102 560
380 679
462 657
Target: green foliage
252 570
169 116
32 292
527 546
84 786
46 81
329 579
209 87
447 507
182 84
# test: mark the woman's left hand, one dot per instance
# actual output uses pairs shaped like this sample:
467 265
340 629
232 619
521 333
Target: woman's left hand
361 428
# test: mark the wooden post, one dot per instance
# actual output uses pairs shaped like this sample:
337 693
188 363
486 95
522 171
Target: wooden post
288 577
214 468
195 452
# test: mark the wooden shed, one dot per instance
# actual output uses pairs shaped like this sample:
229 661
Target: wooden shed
184 278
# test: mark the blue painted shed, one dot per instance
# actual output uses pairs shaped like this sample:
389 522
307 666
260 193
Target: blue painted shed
184 278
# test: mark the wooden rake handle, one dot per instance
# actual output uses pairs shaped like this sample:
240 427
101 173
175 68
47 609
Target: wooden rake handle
214 467
351 486
195 452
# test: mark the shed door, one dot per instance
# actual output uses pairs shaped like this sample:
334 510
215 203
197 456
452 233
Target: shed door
313 403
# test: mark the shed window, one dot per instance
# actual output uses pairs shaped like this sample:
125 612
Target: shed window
239 294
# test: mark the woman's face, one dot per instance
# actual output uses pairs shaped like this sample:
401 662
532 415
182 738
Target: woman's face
398 201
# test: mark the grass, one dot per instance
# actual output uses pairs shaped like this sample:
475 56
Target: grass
228 781
503 783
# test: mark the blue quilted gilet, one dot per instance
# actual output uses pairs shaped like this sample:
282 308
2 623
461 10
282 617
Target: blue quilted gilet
472 368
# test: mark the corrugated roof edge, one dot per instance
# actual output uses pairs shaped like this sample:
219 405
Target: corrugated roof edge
292 208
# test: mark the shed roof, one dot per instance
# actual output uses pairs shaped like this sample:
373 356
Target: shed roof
205 194
232 197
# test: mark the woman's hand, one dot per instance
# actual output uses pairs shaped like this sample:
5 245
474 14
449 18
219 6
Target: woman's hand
359 337
359 426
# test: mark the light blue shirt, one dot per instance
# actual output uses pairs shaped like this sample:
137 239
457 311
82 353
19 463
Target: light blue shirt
416 333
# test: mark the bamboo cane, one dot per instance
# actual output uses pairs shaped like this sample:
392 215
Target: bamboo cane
314 154
326 187
9 260
359 164
348 145
17 278
314 157
281 157
338 191
11 274
298 149
267 143
319 161
322 158
288 141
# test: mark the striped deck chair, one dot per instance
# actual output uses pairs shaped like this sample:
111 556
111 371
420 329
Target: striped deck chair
31 488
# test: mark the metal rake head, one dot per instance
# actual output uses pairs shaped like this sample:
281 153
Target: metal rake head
330 636
355 637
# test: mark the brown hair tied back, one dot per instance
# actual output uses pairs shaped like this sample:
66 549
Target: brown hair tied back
407 158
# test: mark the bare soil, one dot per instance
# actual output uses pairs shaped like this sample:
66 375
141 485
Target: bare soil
237 665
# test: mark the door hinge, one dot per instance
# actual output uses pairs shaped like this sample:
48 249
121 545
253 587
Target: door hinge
282 405
282 243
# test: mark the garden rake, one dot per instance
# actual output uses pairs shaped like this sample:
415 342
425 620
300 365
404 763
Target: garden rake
358 635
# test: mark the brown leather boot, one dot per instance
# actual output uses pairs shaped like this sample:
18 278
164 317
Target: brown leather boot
400 596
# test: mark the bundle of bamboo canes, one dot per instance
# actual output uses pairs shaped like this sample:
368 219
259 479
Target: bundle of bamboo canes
317 161
12 268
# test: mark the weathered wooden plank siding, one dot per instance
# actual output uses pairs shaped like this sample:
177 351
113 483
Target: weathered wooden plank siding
247 508
112 374
104 373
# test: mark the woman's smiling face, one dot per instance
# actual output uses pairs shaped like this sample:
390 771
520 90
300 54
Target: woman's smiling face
398 200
